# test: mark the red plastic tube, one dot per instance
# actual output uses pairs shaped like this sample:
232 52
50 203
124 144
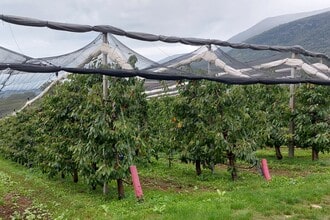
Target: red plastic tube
136 182
265 170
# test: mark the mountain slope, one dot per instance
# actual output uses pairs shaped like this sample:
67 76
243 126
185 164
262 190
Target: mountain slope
312 33
270 23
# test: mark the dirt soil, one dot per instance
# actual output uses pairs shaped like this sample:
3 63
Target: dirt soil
15 206
13 203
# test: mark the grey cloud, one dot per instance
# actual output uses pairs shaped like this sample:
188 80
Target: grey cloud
186 18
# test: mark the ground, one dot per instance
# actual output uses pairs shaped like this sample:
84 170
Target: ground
13 203
299 189
15 206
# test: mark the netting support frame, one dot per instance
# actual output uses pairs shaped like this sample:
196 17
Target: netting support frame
104 63
292 107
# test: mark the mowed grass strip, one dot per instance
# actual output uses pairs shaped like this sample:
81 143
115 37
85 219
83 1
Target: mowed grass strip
299 189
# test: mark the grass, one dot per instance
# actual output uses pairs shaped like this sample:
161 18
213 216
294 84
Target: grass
299 189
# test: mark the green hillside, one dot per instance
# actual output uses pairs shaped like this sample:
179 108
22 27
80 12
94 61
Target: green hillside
13 102
312 33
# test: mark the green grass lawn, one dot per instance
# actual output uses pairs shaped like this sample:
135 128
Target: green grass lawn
299 189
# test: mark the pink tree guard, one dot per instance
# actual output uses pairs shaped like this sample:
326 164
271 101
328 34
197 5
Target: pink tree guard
136 182
265 170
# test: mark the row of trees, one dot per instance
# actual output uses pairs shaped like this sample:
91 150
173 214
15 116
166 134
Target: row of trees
75 131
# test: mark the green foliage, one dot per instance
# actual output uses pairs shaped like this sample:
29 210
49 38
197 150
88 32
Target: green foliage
313 117
217 121
74 129
17 141
274 100
132 60
59 128
197 123
161 127
113 130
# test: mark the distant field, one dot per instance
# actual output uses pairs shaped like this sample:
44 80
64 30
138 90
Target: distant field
13 102
299 189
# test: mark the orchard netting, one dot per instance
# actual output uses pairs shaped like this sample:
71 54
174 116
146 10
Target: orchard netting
282 65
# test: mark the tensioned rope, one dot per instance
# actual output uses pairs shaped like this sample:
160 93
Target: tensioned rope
152 37
164 75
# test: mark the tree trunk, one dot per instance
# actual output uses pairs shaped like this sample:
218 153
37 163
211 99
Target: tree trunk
212 167
198 167
94 168
105 188
315 154
120 188
278 152
170 158
75 175
291 141
232 166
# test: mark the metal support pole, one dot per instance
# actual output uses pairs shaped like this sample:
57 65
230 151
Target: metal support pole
292 107
208 63
104 63
105 94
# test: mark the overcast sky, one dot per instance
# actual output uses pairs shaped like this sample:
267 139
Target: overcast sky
219 19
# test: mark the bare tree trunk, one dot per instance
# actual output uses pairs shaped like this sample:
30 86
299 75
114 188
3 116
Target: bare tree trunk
120 188
232 166
75 175
198 167
278 152
170 159
105 188
94 168
291 141
315 154
212 167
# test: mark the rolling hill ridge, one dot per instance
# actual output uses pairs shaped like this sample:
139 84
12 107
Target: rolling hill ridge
312 33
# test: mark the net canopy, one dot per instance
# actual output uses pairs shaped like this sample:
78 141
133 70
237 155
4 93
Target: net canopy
18 69
290 65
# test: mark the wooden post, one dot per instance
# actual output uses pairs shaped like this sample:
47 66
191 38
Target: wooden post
105 94
292 107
